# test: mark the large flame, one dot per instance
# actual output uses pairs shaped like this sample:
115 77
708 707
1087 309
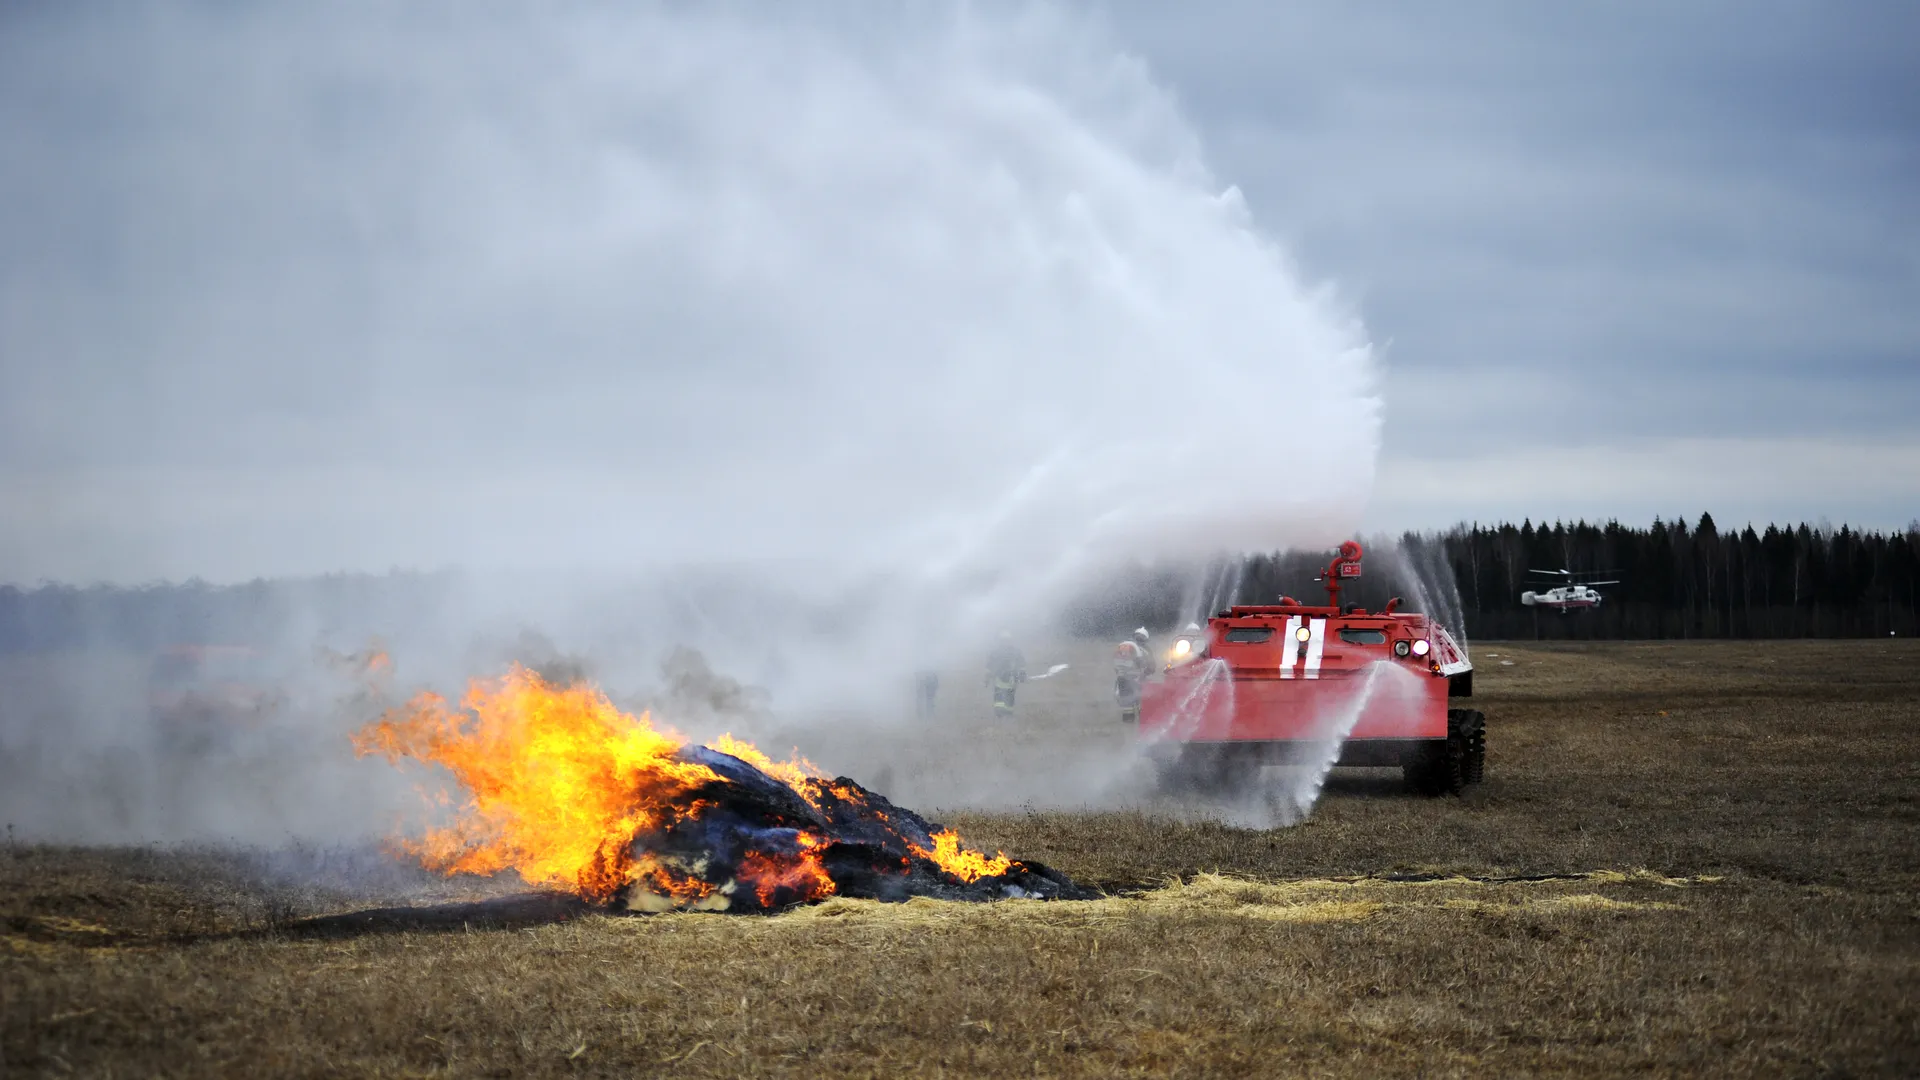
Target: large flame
559 783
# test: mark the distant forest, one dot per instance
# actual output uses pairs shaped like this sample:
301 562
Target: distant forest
263 611
1675 582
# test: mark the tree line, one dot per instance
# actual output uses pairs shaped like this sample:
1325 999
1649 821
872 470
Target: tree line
1680 582
1675 581
147 617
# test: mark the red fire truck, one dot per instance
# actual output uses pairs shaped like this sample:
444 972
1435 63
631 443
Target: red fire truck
1279 683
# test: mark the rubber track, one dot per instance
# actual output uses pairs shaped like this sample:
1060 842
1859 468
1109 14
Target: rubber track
1476 733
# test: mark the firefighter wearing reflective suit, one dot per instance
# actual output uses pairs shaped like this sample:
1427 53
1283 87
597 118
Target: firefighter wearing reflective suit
1131 666
1006 670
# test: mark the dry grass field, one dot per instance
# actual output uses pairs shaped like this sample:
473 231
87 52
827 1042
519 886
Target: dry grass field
1687 859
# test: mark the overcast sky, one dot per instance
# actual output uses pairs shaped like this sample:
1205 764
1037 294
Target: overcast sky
289 292
1625 258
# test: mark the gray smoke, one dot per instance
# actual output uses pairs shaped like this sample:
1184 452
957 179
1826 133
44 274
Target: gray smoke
822 342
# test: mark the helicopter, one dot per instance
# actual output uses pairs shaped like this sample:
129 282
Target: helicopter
1571 594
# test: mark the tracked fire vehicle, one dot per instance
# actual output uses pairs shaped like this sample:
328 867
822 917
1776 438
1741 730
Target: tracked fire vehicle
1296 683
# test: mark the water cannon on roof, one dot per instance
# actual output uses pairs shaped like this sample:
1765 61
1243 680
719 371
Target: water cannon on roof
1345 565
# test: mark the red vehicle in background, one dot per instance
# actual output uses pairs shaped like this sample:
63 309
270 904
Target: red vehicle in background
1279 683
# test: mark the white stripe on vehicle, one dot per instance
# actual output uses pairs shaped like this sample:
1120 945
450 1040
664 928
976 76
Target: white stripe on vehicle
1316 641
1293 647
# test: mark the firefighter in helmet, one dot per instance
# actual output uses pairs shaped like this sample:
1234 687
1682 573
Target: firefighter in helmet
1006 669
1132 663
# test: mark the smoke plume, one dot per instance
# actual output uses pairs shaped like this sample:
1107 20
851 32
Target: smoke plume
827 341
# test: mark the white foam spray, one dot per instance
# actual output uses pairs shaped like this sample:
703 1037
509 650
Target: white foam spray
1422 566
1286 794
888 331
939 313
1215 681
1385 680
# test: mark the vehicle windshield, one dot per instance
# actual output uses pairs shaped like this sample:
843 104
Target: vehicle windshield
1363 637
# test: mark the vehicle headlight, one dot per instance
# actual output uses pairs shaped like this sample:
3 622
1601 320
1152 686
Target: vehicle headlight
1302 634
1401 648
1420 647
1182 648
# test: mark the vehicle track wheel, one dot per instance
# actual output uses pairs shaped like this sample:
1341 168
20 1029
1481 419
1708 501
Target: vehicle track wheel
1476 735
1449 761
1452 774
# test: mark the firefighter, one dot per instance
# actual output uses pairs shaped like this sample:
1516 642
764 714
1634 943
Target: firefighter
926 687
1006 669
1132 663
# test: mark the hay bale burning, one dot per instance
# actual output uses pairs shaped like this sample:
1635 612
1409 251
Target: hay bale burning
573 794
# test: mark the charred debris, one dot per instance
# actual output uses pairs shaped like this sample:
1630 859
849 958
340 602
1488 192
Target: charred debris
867 847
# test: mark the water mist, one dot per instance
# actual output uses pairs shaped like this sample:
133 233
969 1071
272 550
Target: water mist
894 330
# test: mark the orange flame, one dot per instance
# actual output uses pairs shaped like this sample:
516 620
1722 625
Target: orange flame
791 773
804 876
966 865
559 782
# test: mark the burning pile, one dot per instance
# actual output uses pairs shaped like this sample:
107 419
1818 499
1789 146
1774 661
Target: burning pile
574 794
